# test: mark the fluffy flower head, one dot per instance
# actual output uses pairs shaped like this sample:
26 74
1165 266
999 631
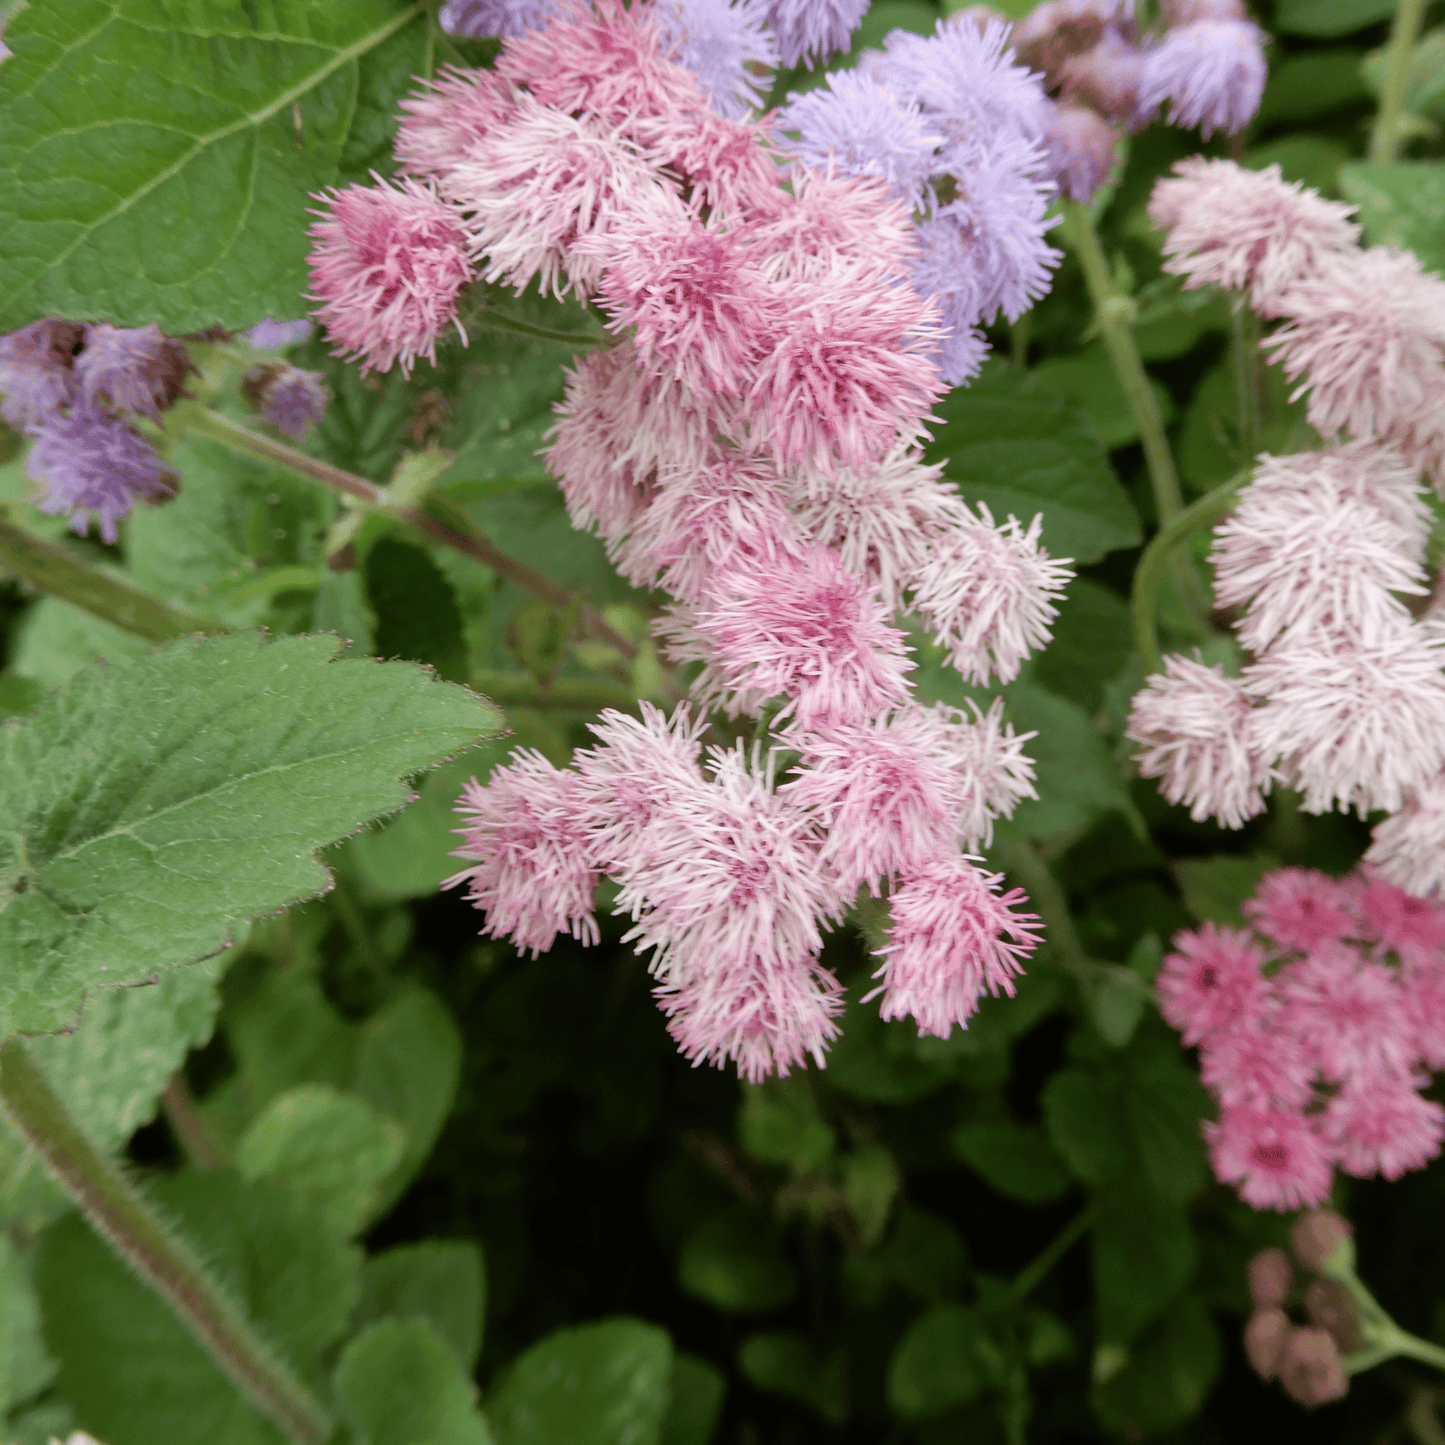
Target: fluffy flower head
1211 72
1274 1156
1211 982
36 371
811 30
724 43
131 370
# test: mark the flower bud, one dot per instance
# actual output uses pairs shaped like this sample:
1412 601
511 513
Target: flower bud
1331 1307
1080 151
1105 78
1270 1278
287 397
1265 1337
1324 1242
1310 1368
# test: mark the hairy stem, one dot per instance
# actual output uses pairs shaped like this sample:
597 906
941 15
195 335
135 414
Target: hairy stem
1042 1265
1387 135
1244 358
242 439
1150 571
118 1213
54 571
1113 313
191 1130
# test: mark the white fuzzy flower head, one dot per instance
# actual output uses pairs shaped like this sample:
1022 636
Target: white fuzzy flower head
987 592
1194 725
1352 724
1309 548
1408 848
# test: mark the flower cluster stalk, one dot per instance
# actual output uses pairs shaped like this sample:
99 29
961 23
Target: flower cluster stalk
1387 134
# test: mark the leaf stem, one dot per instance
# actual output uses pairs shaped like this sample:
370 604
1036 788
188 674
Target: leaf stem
1113 313
1387 134
118 1213
242 439
1150 571
1033 1274
191 1130
54 571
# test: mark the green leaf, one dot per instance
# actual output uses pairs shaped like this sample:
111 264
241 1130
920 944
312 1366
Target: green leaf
1088 379
784 1362
1166 1376
695 1394
1016 1159
924 1254
416 612
25 1368
399 1383
879 1060
55 641
151 805
328 1150
1009 442
1330 17
938 1364
779 1124
1092 642
156 158
1144 1254
1401 203
342 607
440 1280
1085 1127
1314 160
732 1260
599 1384
1318 82
871 1181
1215 888
1425 88
18 694
133 1372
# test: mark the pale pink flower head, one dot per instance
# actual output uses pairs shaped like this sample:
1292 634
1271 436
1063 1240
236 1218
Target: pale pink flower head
449 115
726 167
846 369
1275 1157
531 869
538 186
1211 982
617 428
1258 1065
1300 908
806 629
727 876
1365 337
881 517
1408 848
767 1020
1246 230
388 262
1211 72
1382 1125
994 774
681 642
953 936
884 792
1193 724
987 592
1408 926
697 308
602 60
1351 724
1349 1012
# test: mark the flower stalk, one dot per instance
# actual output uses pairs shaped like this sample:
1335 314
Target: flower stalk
1388 133
119 1214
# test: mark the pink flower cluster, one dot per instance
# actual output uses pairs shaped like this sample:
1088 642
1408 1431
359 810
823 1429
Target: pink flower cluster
1342 697
1317 1030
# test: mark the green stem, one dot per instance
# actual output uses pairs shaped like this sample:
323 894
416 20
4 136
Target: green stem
192 1132
242 439
1150 571
521 689
1042 1265
54 571
1020 859
1244 355
132 1228
1113 313
1387 135
1019 341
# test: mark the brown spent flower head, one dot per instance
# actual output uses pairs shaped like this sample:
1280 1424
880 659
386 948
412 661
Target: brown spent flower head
1324 1242
1310 1368
1331 1307
1265 1337
1271 1277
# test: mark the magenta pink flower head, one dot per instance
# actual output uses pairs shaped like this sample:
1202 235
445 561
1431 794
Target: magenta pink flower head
1310 1033
387 265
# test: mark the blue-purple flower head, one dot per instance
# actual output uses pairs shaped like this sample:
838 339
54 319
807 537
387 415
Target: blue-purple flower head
89 461
132 370
1211 72
479 18
726 44
269 335
287 397
809 31
1079 151
855 125
37 371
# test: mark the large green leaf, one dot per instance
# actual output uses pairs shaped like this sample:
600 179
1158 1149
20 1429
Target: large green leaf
938 1364
442 1281
148 806
1165 1378
1011 443
25 1368
1402 203
602 1384
133 1372
156 156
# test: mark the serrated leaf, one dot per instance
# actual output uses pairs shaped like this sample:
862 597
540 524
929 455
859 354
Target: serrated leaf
440 1280
149 806
600 1384
328 1150
1089 380
1144 1253
416 611
156 156
133 1372
1402 204
399 1383
1010 443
